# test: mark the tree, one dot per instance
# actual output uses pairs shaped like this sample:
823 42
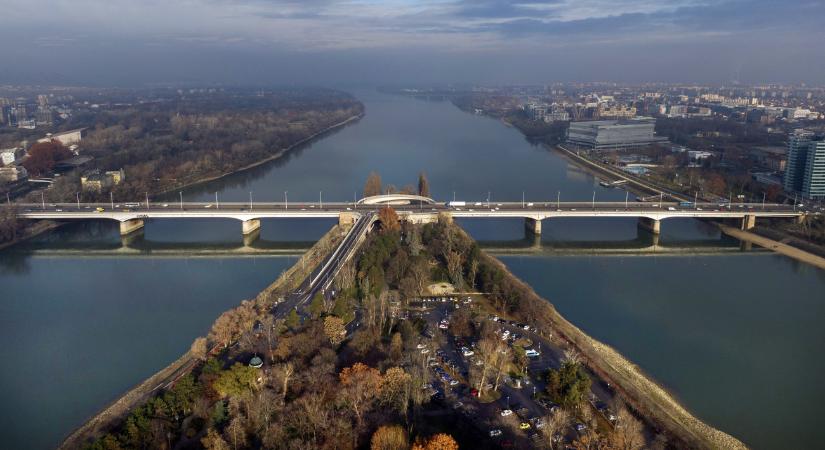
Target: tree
214 441
240 379
629 432
334 329
555 425
316 308
389 437
568 385
292 319
373 185
361 385
389 219
396 346
716 184
395 389
284 372
423 185
440 441
199 348
44 155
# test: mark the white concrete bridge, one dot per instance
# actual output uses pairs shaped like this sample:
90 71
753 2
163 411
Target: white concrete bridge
418 209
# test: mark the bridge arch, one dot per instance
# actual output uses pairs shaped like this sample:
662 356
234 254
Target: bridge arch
395 199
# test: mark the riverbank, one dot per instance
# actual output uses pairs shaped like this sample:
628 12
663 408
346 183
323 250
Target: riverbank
645 396
118 410
779 247
35 229
280 154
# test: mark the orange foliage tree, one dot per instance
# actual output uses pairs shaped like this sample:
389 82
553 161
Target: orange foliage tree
44 155
440 441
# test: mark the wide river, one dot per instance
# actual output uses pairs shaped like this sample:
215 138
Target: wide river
734 334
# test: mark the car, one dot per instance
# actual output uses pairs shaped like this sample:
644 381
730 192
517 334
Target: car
531 353
165 205
59 210
524 426
426 386
420 346
453 382
457 405
99 209
670 208
506 412
495 433
443 326
424 351
580 427
474 392
208 206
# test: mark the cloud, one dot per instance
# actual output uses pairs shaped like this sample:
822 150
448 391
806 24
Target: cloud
428 33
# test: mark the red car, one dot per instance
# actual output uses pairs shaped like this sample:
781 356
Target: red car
474 392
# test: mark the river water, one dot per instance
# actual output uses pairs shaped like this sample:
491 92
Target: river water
733 334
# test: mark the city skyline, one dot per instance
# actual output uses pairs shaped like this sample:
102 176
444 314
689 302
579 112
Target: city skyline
336 43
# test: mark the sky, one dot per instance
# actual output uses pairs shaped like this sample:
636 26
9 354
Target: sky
326 42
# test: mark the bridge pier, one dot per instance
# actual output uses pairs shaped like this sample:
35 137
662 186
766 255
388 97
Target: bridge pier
130 226
533 225
651 225
250 238
748 222
346 219
250 226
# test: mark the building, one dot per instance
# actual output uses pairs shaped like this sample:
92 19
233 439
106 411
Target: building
813 183
13 174
10 155
616 111
614 134
66 138
798 143
97 181
805 167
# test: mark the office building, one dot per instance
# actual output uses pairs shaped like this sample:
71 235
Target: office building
813 183
805 167
614 134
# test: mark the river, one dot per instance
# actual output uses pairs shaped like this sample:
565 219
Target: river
733 334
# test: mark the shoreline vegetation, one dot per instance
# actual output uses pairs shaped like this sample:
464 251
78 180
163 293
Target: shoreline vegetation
34 229
116 411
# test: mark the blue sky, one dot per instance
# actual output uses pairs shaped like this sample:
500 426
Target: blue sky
369 41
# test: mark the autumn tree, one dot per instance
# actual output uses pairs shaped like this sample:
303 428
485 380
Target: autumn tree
214 441
284 372
334 329
373 185
716 184
44 155
199 348
555 426
389 219
292 319
360 387
395 389
389 437
240 379
423 185
629 432
440 441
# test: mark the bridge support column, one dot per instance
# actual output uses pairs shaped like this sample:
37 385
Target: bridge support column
651 225
748 222
130 226
250 226
250 238
533 225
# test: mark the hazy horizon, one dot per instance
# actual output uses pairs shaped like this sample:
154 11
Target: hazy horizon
325 42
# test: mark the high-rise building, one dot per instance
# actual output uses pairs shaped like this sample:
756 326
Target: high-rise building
805 169
813 184
798 143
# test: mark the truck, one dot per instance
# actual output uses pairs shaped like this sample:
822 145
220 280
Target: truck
454 204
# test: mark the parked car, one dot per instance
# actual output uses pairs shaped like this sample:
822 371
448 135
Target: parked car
495 433
506 412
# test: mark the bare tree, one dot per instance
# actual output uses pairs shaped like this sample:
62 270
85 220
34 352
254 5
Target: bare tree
373 185
284 372
199 348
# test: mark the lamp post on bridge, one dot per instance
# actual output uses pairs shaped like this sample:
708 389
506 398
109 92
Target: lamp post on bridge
320 199
558 199
217 203
250 200
763 200
43 201
112 199
522 199
286 200
626 195
181 200
77 194
593 203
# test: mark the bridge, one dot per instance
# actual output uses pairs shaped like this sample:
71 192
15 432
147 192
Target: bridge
132 216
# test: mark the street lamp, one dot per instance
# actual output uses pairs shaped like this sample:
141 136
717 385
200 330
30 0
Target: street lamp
286 200
250 200
112 199
217 203
77 194
321 199
147 201
43 200
181 200
594 201
558 199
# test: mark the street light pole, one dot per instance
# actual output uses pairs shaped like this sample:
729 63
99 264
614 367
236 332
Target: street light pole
763 200
217 203
147 201
250 200
112 199
78 199
558 199
286 200
181 200
43 201
626 195
594 201
321 199
522 199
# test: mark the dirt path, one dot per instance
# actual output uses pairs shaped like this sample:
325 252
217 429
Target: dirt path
779 247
